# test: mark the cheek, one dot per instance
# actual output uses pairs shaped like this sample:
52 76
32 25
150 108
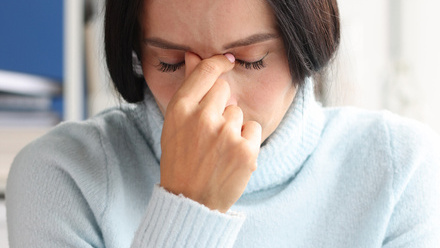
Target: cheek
269 99
162 85
273 91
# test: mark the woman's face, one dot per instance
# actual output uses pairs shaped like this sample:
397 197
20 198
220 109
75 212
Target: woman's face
260 83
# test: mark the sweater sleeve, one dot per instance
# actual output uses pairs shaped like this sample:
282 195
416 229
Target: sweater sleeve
176 221
58 196
45 208
415 221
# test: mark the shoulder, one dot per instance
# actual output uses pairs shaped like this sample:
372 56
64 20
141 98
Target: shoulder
72 157
78 149
75 138
401 134
61 178
405 145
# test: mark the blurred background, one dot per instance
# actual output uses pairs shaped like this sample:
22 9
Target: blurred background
389 58
52 66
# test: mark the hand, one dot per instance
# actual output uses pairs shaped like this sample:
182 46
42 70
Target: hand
208 153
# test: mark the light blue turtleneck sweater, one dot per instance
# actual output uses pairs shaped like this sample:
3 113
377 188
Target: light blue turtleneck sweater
339 177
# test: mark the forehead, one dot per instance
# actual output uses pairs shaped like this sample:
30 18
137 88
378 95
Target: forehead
206 23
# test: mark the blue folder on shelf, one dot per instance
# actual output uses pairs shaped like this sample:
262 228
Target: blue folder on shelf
31 56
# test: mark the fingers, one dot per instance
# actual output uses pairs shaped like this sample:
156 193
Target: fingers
252 132
217 97
202 74
191 61
233 116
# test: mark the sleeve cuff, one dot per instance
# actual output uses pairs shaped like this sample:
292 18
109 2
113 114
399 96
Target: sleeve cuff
174 220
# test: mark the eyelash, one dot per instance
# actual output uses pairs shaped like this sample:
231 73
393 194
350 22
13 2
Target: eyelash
164 67
256 65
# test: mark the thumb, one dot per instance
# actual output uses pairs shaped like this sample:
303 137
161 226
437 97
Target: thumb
191 61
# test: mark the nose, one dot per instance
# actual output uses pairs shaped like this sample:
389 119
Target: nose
228 77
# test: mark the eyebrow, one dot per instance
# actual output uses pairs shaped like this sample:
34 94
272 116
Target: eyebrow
160 43
253 39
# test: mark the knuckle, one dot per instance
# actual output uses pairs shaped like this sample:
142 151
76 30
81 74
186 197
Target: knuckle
234 112
247 156
229 131
207 120
248 150
253 167
235 109
180 107
223 85
209 67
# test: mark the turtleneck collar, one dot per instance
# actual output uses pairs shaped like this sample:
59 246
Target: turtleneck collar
285 151
281 155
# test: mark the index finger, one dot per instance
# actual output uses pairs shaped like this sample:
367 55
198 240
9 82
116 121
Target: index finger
201 75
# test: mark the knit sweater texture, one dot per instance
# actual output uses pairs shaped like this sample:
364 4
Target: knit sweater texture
327 177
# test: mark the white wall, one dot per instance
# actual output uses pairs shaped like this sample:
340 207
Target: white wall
389 58
421 58
101 94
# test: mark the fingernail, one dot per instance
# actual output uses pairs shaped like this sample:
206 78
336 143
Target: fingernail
230 57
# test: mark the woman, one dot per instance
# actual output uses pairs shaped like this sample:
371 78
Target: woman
225 145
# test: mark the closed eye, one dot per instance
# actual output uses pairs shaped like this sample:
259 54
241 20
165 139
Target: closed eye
256 65
165 67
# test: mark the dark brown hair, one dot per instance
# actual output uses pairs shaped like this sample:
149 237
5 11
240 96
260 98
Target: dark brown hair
310 31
